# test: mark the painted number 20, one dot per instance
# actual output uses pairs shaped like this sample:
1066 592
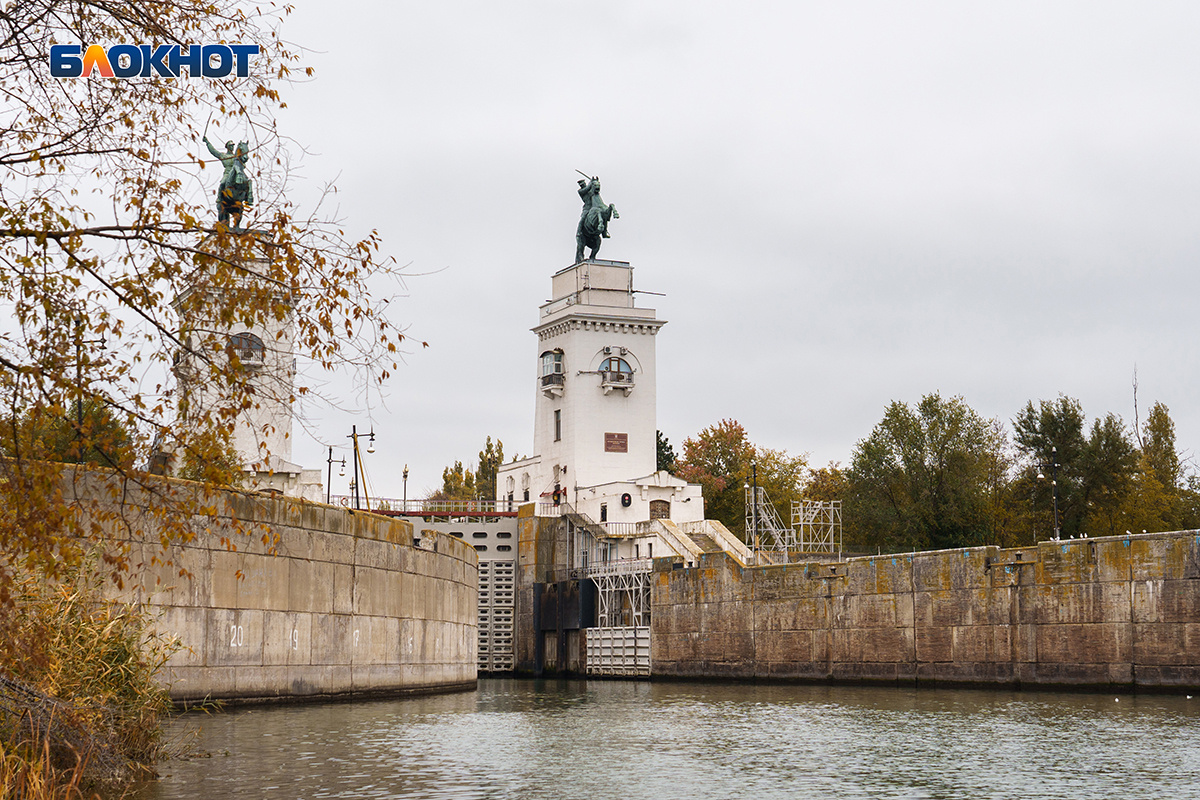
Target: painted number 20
236 637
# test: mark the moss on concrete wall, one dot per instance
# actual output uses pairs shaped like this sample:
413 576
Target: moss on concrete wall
1122 611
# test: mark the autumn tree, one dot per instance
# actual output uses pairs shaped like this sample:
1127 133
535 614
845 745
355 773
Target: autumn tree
458 483
108 242
722 460
86 432
107 218
826 484
461 482
1159 496
927 477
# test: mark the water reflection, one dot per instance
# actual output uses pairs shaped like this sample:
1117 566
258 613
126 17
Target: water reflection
601 739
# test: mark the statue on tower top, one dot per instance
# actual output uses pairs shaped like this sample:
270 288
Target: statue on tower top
594 219
236 192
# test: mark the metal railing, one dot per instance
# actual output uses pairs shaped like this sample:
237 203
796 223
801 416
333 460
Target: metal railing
613 378
464 508
553 379
620 566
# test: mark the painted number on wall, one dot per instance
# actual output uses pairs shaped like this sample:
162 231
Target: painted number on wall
356 638
237 636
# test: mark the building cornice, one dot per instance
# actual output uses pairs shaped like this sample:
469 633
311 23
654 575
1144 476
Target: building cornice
577 322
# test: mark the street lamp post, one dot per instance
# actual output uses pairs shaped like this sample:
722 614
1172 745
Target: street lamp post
329 481
754 508
1053 465
405 477
357 457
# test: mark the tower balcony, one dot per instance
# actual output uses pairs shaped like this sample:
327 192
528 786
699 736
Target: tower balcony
611 379
553 383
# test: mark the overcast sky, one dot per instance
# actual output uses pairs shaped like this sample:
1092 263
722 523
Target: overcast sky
844 203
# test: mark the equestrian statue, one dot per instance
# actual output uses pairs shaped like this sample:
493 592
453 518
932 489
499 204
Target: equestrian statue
593 220
236 192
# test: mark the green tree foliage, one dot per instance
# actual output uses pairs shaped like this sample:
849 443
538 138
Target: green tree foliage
491 458
665 453
722 459
98 437
1095 471
1158 448
461 482
926 478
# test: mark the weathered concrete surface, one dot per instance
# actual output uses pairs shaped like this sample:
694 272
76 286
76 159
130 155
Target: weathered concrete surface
545 642
276 598
1122 611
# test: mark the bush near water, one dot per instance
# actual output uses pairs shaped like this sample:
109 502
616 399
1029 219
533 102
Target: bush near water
79 706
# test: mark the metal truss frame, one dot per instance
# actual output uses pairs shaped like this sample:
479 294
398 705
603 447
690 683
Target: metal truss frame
623 599
819 525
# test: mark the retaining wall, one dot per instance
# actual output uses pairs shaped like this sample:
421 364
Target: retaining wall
335 603
1122 611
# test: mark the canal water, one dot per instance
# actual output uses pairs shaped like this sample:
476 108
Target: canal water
616 739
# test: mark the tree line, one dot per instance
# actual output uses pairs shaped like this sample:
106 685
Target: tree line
937 474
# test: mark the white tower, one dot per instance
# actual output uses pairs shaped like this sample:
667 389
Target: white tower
264 345
594 419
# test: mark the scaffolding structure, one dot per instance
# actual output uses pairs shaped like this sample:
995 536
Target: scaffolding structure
818 525
764 528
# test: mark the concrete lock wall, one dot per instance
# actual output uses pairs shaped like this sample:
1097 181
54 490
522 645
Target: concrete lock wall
345 605
1121 611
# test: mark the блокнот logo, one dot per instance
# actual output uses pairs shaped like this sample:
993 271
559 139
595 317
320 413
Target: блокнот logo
144 61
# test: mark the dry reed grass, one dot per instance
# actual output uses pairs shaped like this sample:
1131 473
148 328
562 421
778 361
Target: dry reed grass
79 704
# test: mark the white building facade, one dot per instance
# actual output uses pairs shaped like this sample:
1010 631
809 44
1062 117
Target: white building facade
595 414
265 348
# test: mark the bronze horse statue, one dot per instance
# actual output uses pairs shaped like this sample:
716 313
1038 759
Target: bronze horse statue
593 220
236 192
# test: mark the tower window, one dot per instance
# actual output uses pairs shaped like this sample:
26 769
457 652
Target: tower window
615 364
248 348
552 378
552 362
557 425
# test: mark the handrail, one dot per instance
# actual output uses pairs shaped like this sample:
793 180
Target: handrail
622 566
418 507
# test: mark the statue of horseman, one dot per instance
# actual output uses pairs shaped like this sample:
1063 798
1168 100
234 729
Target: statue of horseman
236 192
593 220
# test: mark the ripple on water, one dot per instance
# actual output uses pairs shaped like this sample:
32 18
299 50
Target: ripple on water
603 739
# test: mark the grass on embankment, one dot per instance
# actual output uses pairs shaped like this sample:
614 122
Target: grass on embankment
79 706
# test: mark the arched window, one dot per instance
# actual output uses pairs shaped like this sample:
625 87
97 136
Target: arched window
615 364
248 348
615 373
